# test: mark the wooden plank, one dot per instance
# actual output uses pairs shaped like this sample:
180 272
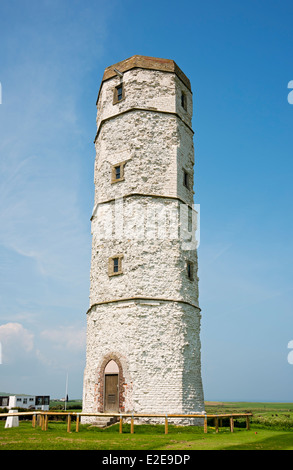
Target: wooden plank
77 423
69 423
141 415
231 424
247 423
120 424
46 422
217 425
205 426
128 415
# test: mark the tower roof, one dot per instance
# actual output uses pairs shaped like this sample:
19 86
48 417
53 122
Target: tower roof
144 62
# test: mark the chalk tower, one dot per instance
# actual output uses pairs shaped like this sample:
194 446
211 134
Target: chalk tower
143 324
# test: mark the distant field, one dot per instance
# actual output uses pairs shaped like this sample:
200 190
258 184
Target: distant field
212 406
249 406
71 404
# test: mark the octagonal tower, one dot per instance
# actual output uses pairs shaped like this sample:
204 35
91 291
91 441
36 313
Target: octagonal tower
143 331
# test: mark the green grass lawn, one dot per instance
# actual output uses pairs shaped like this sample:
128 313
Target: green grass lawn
145 438
268 432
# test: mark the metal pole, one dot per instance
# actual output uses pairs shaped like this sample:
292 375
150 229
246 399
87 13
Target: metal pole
66 391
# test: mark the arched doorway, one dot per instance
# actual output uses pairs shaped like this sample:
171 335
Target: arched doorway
111 381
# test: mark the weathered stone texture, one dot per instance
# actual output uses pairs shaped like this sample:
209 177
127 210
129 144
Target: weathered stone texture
154 263
157 341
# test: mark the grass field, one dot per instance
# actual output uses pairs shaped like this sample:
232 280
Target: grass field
271 429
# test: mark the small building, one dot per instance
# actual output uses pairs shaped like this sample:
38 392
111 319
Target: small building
25 401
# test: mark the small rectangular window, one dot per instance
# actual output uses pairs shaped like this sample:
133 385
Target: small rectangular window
186 179
190 270
190 220
117 172
115 265
183 100
119 94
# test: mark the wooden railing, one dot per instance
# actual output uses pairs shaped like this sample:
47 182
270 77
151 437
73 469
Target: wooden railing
41 418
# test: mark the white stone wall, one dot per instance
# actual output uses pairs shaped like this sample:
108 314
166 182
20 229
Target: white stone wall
154 263
148 316
149 143
161 346
145 89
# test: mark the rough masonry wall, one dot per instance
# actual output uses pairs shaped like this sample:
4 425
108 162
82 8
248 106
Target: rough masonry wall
145 89
148 142
159 377
154 263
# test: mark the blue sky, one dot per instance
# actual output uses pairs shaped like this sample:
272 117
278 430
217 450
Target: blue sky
238 57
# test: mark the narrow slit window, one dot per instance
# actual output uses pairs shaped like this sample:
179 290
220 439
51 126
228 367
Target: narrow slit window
119 94
190 220
183 100
118 172
186 179
190 270
116 265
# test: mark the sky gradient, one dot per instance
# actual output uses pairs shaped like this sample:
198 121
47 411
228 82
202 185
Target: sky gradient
238 57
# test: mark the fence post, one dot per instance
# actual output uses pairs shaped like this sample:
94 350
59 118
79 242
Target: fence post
43 422
69 423
166 424
217 424
205 426
132 425
34 421
77 422
120 424
247 423
231 424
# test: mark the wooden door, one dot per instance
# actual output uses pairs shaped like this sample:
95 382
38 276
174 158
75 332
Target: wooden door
111 393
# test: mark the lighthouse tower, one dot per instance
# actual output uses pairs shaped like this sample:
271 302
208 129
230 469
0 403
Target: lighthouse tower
143 323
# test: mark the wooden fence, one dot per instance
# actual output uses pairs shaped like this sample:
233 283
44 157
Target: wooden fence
41 418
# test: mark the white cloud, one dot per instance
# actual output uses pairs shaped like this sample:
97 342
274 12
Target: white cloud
16 341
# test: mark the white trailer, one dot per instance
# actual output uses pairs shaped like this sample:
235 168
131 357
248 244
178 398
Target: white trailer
25 401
